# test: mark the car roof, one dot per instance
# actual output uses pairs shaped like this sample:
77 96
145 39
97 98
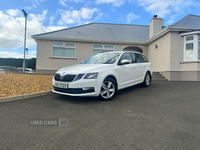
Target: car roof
133 52
8 66
123 52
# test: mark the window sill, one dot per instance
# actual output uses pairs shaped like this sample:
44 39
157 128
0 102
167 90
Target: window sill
186 62
63 58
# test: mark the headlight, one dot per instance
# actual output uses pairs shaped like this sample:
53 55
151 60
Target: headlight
91 75
79 76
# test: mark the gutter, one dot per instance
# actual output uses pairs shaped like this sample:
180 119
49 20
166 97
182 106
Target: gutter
155 37
87 41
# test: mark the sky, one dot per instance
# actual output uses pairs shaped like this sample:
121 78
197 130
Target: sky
50 15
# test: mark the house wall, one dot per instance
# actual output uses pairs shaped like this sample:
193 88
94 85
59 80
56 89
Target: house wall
176 55
160 57
179 70
46 64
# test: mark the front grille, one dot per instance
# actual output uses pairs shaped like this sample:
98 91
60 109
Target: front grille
65 78
74 90
57 77
69 77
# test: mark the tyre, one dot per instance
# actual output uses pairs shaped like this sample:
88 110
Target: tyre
108 89
147 80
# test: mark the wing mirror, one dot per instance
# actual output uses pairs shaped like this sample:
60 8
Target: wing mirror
125 61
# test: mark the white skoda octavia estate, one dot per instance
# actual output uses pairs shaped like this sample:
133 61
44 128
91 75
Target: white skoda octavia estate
103 75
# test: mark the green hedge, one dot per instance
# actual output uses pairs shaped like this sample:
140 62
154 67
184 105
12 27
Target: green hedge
31 63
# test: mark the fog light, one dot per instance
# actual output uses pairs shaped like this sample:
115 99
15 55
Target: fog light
87 88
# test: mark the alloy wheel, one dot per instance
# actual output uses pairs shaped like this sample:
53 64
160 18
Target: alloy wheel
147 79
107 89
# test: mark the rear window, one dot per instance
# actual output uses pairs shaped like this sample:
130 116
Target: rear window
144 58
138 58
13 69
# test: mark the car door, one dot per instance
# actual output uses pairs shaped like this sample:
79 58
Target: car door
140 66
125 71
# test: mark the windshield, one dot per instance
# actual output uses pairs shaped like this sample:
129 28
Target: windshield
102 58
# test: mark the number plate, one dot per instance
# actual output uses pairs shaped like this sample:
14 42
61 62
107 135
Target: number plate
60 85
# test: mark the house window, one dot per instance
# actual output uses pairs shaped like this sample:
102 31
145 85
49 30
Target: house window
189 48
65 50
192 48
189 53
58 44
189 38
198 47
102 48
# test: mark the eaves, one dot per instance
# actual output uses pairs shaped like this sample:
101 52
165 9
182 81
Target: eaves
167 30
89 41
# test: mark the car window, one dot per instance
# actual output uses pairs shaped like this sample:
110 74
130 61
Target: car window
12 69
126 56
144 58
138 58
133 56
7 68
102 58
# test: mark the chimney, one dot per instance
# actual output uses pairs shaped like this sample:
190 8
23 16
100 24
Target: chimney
155 26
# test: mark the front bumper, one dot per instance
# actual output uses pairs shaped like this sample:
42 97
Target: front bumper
74 90
83 87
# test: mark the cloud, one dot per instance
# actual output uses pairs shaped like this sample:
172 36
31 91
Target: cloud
12 12
77 1
163 8
33 52
113 10
172 18
81 16
5 54
51 19
63 2
131 16
12 26
52 28
115 3
35 3
27 8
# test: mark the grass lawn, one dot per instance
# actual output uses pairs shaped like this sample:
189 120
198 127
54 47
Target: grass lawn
19 84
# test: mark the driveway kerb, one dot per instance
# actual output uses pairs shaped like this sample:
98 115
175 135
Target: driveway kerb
25 96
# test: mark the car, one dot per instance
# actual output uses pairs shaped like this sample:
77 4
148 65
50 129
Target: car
2 71
102 75
27 70
8 69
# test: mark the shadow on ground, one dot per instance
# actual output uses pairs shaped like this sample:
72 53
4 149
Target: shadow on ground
80 100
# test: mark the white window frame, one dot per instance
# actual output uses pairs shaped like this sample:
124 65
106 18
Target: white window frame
64 43
57 45
103 48
195 47
198 40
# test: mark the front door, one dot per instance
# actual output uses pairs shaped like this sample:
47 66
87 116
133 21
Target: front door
125 72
